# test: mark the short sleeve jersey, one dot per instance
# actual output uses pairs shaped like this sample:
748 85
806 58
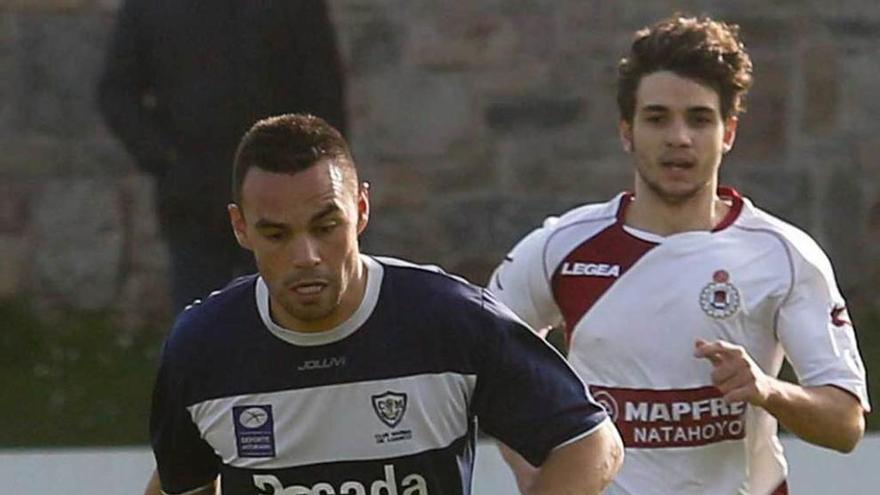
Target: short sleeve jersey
387 402
633 305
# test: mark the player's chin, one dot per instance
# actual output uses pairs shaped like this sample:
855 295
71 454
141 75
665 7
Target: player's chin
678 192
313 308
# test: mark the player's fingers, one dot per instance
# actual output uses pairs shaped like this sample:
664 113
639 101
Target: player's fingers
723 373
718 346
739 394
705 350
742 385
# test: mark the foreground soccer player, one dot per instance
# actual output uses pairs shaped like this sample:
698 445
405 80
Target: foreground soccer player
681 299
333 372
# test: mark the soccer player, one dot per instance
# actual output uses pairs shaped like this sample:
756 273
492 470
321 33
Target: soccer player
680 299
333 372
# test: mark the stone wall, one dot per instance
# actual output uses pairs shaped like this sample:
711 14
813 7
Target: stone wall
472 119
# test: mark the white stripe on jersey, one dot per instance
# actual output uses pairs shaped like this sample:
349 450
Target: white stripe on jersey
338 422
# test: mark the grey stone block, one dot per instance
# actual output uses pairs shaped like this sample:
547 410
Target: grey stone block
537 112
417 114
78 229
58 58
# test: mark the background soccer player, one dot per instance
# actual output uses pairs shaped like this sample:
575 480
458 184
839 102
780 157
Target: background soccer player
680 300
335 372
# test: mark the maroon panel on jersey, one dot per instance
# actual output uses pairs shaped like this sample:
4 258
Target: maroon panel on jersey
591 269
736 205
781 489
648 418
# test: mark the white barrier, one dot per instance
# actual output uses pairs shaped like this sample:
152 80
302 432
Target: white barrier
124 471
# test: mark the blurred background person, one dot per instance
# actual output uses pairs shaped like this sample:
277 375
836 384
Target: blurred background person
183 79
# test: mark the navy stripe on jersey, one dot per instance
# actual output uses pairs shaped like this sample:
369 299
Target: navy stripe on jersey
434 472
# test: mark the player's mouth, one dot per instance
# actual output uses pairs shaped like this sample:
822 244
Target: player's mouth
308 288
683 163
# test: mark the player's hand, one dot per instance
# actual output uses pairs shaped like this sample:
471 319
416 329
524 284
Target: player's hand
735 373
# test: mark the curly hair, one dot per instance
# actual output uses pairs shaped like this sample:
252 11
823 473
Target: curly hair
697 48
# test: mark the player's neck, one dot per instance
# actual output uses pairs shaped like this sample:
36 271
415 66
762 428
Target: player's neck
653 213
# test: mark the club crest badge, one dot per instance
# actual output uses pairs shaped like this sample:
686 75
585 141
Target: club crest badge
720 299
390 407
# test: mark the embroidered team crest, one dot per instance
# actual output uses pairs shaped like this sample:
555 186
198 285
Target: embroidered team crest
390 407
720 298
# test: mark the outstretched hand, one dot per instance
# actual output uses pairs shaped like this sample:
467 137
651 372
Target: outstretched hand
735 373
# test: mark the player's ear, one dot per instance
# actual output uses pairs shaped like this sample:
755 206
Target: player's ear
729 133
624 130
239 226
363 206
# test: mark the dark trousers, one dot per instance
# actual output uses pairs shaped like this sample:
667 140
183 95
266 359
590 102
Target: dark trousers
203 261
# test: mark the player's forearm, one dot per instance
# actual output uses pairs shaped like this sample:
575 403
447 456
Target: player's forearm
584 467
155 488
153 485
825 416
524 472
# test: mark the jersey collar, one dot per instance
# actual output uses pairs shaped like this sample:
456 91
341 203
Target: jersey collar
375 272
724 192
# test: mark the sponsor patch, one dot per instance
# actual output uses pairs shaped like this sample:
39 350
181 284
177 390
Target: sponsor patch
410 484
590 269
254 430
648 418
720 299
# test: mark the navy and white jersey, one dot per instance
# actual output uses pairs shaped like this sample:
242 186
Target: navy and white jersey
387 402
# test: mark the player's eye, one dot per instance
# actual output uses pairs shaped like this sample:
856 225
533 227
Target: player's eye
326 227
275 235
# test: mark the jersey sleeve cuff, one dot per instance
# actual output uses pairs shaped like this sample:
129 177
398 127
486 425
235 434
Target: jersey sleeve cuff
582 435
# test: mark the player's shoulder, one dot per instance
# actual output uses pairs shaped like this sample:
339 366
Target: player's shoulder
439 291
800 246
205 320
599 214
424 280
581 222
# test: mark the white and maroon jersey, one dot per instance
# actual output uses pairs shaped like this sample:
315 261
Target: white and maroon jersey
634 303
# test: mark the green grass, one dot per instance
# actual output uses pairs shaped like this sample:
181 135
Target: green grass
78 381
868 332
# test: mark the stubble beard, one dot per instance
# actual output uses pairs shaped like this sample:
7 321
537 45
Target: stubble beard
671 198
318 310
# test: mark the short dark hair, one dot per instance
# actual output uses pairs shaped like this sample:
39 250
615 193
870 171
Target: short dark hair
288 143
698 48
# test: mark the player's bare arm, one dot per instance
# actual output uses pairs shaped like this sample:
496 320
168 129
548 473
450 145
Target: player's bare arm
823 415
523 472
152 487
584 467
155 488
